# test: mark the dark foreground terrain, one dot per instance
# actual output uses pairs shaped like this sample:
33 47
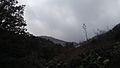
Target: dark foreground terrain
28 51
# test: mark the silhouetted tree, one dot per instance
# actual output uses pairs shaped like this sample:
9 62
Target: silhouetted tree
11 16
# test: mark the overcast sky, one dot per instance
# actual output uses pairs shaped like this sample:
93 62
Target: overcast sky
63 19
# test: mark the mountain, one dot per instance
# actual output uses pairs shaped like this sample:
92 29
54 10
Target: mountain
57 41
54 40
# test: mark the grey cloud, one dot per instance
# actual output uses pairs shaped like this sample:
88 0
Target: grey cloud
63 19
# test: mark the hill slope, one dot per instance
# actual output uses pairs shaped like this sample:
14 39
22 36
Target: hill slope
102 51
61 42
27 51
54 40
24 51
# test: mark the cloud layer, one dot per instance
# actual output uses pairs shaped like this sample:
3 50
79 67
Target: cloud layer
63 19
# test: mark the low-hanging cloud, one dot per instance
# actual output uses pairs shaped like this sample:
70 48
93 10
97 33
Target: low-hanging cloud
63 19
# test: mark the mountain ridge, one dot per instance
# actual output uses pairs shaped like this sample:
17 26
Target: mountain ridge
58 41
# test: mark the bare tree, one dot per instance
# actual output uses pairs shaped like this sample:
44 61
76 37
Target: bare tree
85 29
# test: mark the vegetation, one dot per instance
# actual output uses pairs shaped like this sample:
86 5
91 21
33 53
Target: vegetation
11 16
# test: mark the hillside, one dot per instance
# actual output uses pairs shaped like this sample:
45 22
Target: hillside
54 40
102 51
59 42
28 51
25 51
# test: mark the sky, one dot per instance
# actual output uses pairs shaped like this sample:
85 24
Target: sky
63 19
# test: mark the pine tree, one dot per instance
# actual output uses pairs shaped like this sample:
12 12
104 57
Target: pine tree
11 16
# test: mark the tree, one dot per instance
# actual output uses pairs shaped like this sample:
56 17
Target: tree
11 16
85 29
